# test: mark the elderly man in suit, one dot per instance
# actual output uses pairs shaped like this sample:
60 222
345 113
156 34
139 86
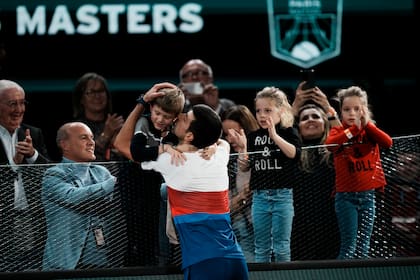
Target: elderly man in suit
22 223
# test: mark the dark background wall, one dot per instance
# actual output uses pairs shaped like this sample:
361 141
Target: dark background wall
377 52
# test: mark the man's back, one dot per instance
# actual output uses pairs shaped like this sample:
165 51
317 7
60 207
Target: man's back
198 194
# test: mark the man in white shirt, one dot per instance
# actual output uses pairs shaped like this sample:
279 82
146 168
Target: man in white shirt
22 222
198 198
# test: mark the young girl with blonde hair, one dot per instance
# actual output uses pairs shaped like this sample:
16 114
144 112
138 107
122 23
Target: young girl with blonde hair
274 153
358 171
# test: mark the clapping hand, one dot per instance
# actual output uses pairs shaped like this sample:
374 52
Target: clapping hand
24 148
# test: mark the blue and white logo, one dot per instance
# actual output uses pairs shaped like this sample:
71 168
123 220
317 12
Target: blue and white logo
305 32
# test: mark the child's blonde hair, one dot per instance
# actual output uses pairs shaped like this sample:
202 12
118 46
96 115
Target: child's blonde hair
356 91
172 102
281 101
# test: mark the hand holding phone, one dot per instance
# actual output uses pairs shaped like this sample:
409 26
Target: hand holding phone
308 75
194 88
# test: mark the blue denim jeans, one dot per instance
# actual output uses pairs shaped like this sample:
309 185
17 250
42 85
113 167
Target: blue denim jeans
272 214
356 215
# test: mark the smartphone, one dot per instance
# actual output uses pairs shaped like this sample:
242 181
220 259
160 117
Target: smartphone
308 75
194 88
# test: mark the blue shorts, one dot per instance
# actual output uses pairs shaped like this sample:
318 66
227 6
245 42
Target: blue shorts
218 268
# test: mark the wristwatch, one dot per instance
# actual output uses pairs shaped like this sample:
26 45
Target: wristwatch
141 100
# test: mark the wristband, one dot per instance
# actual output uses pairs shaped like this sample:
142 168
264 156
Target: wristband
331 112
332 118
141 100
348 133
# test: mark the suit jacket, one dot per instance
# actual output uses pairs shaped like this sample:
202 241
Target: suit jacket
71 206
31 177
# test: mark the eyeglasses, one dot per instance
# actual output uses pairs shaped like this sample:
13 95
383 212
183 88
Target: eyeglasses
95 92
198 73
14 104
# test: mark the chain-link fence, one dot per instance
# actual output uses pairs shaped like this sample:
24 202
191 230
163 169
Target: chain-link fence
126 224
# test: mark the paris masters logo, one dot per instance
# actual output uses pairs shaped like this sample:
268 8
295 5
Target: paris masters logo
305 32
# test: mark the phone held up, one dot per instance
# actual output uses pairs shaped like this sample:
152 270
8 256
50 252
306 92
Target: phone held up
308 75
194 88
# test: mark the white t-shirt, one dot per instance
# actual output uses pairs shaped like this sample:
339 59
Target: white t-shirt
190 177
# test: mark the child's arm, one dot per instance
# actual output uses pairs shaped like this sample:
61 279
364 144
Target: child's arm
208 152
287 148
378 135
338 135
177 157
123 139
